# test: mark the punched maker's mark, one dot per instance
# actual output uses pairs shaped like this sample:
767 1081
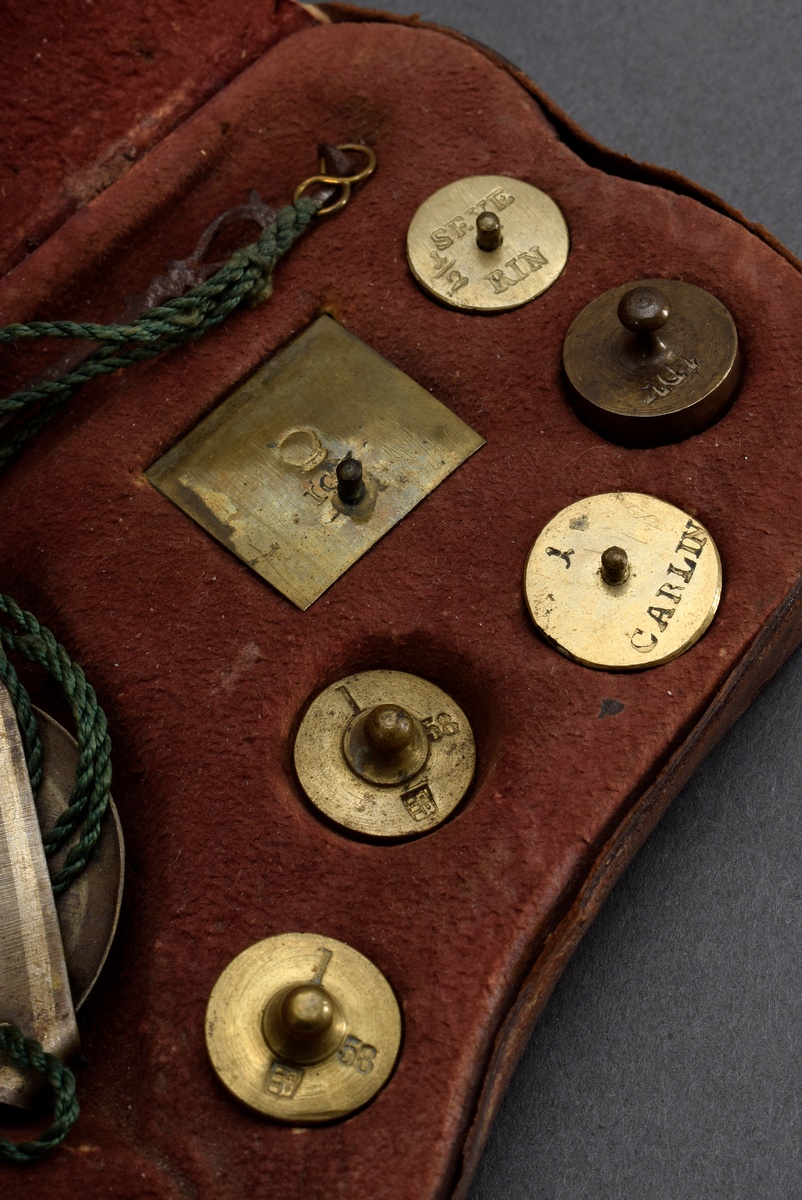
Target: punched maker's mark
692 542
284 1080
357 1054
564 554
420 802
519 267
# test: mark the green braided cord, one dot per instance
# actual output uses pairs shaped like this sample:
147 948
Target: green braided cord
246 276
20 436
88 802
91 791
26 720
27 1054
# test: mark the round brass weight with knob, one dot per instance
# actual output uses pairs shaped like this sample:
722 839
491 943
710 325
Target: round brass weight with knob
385 753
623 581
652 362
303 1028
487 243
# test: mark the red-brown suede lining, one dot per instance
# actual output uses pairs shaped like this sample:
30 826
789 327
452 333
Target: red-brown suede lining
89 89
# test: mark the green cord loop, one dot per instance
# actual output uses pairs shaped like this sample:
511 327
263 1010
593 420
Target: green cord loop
91 791
246 276
27 1054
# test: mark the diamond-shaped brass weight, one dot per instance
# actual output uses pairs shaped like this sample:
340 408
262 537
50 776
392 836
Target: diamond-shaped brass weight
652 362
303 1028
303 468
385 753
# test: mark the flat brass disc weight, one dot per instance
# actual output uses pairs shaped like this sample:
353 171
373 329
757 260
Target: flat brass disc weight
241 1014
652 362
407 789
623 581
524 230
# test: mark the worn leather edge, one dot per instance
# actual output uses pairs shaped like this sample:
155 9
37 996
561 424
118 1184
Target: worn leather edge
315 11
778 639
773 646
594 153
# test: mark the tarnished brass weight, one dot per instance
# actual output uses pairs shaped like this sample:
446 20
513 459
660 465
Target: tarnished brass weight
303 1028
385 753
652 362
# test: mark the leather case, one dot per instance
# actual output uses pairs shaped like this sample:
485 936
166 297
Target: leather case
132 129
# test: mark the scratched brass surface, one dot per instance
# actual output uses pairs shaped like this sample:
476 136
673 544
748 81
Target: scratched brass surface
34 986
88 911
640 398
416 804
447 262
242 1016
259 472
665 603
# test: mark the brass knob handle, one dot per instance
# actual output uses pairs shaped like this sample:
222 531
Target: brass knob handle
644 311
303 1024
389 730
385 744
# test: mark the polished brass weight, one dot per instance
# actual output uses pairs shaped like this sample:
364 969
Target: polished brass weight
385 753
303 1028
652 362
487 243
623 581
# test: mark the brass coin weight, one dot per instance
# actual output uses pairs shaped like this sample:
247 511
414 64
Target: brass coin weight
385 753
303 1028
487 243
623 581
313 459
652 362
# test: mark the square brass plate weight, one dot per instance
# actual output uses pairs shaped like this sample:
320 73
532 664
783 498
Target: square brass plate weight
259 472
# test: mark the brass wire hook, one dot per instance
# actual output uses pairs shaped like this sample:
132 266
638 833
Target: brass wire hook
345 182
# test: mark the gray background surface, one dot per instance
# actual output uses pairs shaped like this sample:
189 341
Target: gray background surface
667 1065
